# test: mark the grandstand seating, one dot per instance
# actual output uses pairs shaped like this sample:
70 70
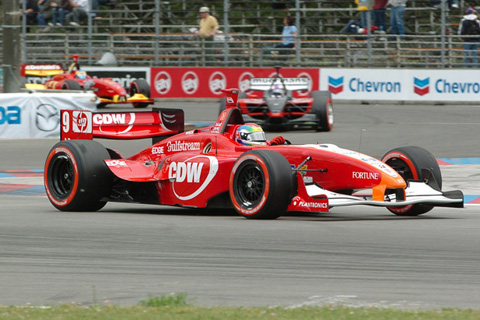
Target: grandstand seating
258 16
128 29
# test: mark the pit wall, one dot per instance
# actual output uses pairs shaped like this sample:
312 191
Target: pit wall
390 85
345 84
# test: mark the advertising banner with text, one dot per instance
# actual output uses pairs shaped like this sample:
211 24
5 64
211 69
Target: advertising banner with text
208 82
401 84
37 115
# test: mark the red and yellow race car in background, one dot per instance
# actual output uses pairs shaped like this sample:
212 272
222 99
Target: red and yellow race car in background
74 78
230 165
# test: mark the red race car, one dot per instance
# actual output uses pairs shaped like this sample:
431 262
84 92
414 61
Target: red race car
285 103
230 165
74 78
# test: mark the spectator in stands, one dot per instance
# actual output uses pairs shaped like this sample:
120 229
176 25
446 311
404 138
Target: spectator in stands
470 28
397 13
288 35
379 9
208 24
67 7
79 12
208 27
31 12
364 6
53 12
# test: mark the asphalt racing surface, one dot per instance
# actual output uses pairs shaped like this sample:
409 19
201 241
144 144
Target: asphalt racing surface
357 256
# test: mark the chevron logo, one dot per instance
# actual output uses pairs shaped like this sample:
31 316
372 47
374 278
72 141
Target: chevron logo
335 85
421 86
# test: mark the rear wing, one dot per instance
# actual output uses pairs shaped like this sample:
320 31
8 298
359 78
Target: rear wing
40 70
292 84
157 124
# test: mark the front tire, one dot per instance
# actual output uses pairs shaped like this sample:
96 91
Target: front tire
409 162
323 108
261 184
76 177
140 86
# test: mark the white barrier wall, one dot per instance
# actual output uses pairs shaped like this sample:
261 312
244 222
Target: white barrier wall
402 84
37 115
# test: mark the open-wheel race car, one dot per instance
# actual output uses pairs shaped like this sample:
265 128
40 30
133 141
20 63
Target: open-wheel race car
106 89
230 165
284 103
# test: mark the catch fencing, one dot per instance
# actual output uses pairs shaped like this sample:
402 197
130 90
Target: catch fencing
247 50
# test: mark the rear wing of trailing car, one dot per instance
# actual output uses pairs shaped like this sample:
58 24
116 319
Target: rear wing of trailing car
40 70
292 84
156 124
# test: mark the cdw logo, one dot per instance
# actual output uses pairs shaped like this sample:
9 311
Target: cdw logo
114 118
191 171
10 115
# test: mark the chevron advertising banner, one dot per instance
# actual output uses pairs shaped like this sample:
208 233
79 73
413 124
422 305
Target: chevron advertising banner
401 84
37 115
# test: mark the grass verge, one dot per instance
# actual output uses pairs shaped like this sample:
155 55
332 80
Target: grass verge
178 306
67 312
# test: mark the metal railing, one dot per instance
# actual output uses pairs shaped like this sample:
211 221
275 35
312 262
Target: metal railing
249 50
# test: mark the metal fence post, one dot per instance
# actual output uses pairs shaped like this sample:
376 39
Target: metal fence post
157 31
11 47
226 32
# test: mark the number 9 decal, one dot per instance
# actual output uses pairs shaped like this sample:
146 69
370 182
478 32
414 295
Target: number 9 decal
65 122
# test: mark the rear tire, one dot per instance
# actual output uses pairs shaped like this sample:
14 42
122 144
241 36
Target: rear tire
409 162
261 184
76 177
140 86
71 85
323 108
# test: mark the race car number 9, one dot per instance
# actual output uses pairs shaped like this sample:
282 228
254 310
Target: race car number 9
65 122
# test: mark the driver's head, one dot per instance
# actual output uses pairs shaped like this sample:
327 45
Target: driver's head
80 74
277 90
251 134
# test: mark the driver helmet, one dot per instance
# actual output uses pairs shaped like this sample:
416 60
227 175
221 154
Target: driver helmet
251 134
277 90
80 74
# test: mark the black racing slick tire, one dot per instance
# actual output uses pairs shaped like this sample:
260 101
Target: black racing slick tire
76 177
261 184
323 108
140 86
71 85
414 163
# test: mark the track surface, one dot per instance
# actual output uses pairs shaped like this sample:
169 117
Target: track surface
361 256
